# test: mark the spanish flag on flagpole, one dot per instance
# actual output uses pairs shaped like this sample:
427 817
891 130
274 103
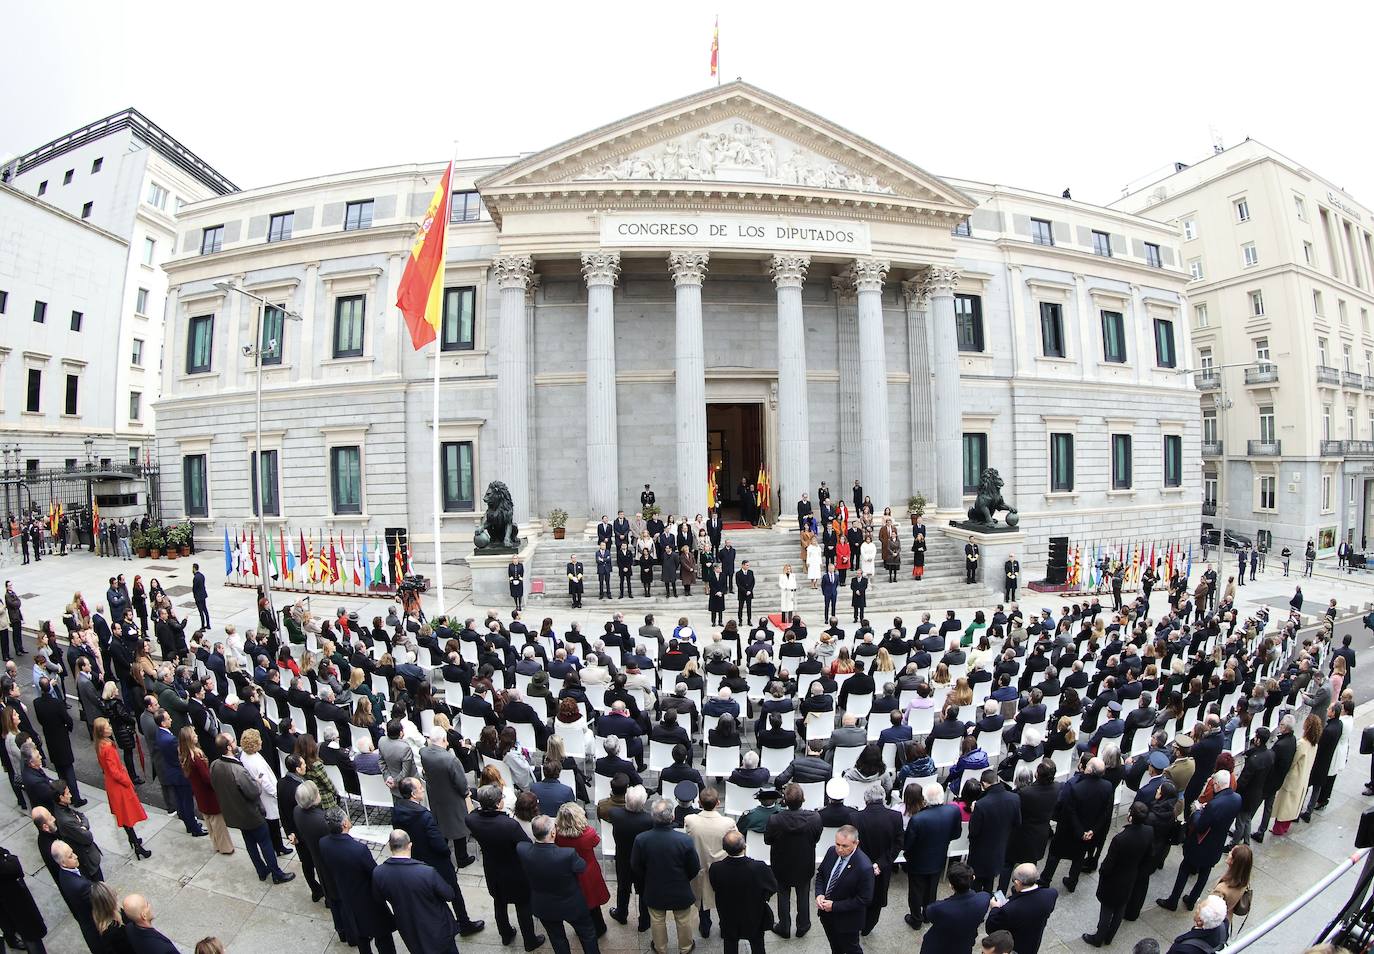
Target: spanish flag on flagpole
420 295
715 51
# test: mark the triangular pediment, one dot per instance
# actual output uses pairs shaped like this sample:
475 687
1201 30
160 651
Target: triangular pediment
734 135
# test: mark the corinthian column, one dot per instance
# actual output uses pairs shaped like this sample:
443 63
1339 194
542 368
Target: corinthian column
689 270
603 450
875 439
794 442
922 406
941 281
513 273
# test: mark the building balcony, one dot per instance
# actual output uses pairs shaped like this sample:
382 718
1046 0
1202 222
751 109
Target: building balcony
1328 377
1357 448
1211 448
1209 508
1207 380
1352 379
1262 374
1331 449
1368 383
1264 448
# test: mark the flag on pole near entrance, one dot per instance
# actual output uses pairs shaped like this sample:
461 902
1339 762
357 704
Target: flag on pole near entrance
715 49
290 548
367 564
285 564
1188 565
228 555
95 523
420 295
357 563
333 560
272 558
379 571
253 552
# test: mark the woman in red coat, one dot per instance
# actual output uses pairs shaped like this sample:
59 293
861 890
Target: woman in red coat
119 789
196 767
572 831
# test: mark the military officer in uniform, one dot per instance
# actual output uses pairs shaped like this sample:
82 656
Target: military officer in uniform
971 557
515 573
1012 571
646 499
574 569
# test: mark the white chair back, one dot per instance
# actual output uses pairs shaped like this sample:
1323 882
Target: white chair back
738 798
991 743
453 693
607 840
1064 761
827 839
815 795
470 726
859 706
755 847
921 721
721 760
524 734
660 755
574 736
775 760
844 758
819 725
945 752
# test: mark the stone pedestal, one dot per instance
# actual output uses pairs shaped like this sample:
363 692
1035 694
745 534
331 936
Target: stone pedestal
993 550
489 580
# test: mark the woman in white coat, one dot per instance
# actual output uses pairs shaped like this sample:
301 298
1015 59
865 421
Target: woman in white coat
252 758
787 583
868 555
813 564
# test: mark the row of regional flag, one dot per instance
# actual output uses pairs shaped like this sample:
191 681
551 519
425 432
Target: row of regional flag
319 559
1092 564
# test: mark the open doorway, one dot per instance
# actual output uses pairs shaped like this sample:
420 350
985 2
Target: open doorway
734 446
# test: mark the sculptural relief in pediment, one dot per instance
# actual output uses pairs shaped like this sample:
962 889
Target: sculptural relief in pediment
735 151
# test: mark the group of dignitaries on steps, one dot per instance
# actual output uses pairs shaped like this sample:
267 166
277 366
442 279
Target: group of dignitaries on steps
739 780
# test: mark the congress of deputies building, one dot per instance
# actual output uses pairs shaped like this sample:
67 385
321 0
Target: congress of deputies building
725 281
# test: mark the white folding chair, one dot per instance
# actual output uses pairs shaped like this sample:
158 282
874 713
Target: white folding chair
827 839
755 847
859 705
1064 761
574 736
739 799
844 757
945 752
453 692
815 795
375 793
819 725
524 734
470 726
775 759
660 755
607 840
721 760
958 848
921 722
358 733
991 743
708 722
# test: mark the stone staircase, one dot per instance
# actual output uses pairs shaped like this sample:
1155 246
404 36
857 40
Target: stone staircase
767 551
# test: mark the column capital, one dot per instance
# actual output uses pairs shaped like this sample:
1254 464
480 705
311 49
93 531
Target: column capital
688 267
532 289
789 271
867 274
917 293
843 286
600 268
513 271
942 279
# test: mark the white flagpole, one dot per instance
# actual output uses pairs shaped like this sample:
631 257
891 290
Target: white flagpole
438 358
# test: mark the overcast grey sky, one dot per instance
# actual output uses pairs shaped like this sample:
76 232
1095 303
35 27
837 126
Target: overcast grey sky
1033 94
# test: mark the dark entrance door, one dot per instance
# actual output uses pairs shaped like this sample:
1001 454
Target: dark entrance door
734 447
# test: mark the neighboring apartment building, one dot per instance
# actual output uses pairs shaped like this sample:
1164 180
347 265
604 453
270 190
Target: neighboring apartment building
1281 294
566 359
121 180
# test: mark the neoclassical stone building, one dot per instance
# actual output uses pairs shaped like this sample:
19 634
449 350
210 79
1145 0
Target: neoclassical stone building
723 282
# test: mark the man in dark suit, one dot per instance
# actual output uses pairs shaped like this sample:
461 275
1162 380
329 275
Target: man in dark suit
844 891
555 893
994 817
353 866
713 529
954 921
1026 912
1081 816
56 719
726 555
880 832
792 835
430 846
200 594
830 589
138 928
419 898
1124 874
744 593
628 822
743 887
1205 841
858 588
76 891
500 836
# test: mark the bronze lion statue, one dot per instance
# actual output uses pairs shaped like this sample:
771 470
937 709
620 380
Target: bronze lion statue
989 501
498 529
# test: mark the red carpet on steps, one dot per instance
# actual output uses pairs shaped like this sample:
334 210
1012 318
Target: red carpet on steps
736 525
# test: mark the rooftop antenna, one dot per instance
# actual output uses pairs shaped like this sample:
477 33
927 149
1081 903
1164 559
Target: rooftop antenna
1217 147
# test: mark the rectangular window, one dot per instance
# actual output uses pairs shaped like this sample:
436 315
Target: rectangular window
1042 232
348 326
1318 306
458 328
1350 423
1242 210
133 456
1121 462
962 229
1321 353
86 210
1189 229
1326 422
4 301
1248 254
67 176
200 337
69 463
1052 329
1257 303
271 503
69 406
96 164
211 239
157 196
1173 460
358 215
1300 208
456 459
1204 358
195 498
1102 244
1262 352
141 302
1266 424
975 460
345 479
1061 463
273 334
1152 256
136 355
135 406
1266 493
1113 337
1348 357
1209 490
968 322
1164 344
1209 427
43 187
1326 491
76 320
40 311
149 250
1308 256
279 226
1200 314
466 207
1195 269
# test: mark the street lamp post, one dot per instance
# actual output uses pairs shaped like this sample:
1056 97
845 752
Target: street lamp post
255 351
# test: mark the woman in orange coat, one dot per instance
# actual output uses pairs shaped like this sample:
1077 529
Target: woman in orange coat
119 789
572 831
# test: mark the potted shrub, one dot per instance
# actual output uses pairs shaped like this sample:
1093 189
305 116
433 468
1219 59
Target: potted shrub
558 521
139 541
155 540
178 540
651 511
916 507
